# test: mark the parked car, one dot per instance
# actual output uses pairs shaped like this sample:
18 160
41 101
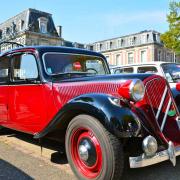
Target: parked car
170 71
69 95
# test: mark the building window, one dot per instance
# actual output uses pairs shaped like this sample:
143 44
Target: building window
122 42
147 37
132 41
159 55
118 43
100 47
118 59
154 37
21 25
7 31
1 34
143 56
43 24
43 28
130 58
111 45
108 45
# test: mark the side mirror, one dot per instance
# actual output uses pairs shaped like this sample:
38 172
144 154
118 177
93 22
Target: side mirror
178 86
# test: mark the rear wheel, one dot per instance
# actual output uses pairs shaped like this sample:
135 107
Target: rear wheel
93 152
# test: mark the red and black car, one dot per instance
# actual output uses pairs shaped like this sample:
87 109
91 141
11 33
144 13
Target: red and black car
68 94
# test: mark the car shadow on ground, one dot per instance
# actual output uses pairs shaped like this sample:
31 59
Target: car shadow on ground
160 171
8 170
58 157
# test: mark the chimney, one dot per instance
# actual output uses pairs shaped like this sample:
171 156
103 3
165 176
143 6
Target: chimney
59 31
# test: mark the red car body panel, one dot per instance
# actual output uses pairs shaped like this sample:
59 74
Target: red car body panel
31 107
3 104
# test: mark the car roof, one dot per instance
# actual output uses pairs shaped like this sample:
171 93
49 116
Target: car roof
142 64
61 49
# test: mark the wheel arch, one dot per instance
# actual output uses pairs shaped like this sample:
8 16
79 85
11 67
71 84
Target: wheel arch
115 119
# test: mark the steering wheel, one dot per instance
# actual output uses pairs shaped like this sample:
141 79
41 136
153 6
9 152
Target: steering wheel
92 69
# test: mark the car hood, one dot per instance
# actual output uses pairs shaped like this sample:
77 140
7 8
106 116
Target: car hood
68 89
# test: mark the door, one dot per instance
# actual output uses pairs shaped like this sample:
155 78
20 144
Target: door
4 78
27 106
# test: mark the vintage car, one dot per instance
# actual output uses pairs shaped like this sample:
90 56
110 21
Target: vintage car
68 94
168 70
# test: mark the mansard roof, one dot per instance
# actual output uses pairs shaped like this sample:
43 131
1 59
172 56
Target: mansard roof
28 20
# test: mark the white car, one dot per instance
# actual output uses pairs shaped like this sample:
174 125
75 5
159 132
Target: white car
170 71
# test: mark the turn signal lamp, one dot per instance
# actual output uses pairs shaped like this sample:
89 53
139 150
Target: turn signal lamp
133 90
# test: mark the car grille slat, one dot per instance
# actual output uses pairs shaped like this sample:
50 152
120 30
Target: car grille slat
159 98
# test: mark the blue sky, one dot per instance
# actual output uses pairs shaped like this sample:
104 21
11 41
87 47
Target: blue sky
88 21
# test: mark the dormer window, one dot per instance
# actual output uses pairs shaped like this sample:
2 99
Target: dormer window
43 24
0 34
7 31
21 25
122 42
111 45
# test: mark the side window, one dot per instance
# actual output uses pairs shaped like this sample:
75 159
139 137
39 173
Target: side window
147 69
123 70
24 67
127 70
118 71
4 69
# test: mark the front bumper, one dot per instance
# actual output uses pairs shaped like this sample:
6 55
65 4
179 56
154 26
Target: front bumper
170 154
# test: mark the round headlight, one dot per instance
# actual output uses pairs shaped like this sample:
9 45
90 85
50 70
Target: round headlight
137 90
150 146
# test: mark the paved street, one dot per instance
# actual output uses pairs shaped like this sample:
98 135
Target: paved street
21 158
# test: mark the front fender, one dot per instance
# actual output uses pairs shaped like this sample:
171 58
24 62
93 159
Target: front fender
120 121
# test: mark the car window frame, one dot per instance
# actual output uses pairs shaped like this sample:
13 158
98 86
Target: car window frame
9 67
146 67
105 65
127 67
33 80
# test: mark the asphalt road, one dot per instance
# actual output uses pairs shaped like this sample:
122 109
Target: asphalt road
21 159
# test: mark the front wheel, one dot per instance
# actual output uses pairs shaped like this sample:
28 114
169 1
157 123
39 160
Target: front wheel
93 152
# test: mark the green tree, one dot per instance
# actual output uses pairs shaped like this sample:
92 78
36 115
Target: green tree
171 38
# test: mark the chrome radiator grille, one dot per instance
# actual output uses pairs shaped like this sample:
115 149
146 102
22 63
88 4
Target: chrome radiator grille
159 98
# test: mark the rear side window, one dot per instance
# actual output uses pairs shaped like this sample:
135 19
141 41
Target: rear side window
4 69
124 70
147 69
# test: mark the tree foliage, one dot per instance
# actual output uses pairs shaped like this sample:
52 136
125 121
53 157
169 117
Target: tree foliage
171 38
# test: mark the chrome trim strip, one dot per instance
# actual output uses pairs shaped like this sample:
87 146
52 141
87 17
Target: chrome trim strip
165 116
10 85
178 121
161 103
143 161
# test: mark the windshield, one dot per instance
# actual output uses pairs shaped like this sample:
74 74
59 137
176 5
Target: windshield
57 63
172 72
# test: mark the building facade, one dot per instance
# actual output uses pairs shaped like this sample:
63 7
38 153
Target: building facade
30 27
141 47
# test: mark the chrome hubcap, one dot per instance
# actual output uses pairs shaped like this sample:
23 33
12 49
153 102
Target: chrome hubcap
83 152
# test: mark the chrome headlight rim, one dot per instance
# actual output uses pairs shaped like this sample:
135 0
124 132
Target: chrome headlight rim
134 96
